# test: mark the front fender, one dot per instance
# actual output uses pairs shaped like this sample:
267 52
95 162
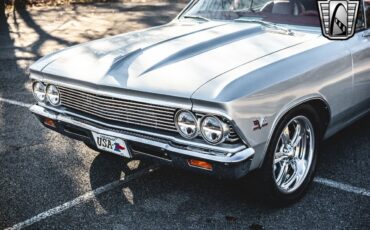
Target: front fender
265 90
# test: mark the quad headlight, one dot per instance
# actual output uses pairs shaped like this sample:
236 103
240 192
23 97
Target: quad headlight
44 93
213 129
52 94
186 124
39 91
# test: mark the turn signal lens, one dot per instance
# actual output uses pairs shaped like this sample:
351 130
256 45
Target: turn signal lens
50 122
200 164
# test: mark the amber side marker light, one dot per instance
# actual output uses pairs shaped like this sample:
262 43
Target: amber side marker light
200 164
50 122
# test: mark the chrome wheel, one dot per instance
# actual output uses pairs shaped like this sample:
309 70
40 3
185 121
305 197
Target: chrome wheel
293 154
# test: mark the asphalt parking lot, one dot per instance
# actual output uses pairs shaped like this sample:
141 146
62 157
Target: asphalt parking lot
48 181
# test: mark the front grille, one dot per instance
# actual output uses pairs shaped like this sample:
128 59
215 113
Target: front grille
119 110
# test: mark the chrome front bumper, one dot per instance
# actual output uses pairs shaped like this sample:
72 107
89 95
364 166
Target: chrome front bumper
183 148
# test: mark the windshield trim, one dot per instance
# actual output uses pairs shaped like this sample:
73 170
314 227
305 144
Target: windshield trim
180 17
186 9
266 24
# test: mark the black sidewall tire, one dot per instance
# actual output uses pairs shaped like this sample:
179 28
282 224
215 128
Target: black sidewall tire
269 186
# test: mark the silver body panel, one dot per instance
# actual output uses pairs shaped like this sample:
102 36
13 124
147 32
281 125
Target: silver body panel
238 70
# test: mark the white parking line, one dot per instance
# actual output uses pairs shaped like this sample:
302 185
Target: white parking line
342 186
82 199
92 194
15 102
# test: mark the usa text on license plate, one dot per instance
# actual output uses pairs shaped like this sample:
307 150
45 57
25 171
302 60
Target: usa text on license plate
111 144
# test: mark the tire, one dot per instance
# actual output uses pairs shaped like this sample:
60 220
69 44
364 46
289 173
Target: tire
283 161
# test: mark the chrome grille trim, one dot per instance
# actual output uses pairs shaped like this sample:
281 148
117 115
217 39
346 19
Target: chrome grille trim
118 101
119 110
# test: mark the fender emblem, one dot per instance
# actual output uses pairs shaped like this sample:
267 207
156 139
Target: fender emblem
259 124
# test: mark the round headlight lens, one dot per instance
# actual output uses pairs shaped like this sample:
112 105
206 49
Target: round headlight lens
52 94
39 91
186 124
213 130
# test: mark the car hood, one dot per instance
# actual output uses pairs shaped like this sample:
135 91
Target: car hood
175 59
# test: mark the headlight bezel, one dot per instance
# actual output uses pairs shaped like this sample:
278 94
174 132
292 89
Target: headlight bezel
225 130
196 132
50 100
42 91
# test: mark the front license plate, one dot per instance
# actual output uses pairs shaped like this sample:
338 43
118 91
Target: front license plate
111 144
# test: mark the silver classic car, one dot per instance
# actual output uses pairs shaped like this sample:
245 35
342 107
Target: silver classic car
226 88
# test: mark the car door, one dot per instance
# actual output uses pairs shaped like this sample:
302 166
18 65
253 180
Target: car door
360 48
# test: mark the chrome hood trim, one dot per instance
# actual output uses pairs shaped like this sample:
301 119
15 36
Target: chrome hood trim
185 56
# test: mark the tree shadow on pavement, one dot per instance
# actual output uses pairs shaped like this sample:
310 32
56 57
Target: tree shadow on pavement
25 173
36 160
198 199
20 8
205 201
107 168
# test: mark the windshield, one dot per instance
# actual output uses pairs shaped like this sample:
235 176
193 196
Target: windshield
292 12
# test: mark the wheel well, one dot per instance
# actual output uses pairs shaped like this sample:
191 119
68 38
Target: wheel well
319 106
323 111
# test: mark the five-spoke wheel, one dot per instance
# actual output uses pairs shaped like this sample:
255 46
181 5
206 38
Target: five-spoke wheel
293 154
290 161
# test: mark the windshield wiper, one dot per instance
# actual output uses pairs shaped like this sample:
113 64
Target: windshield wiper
266 24
197 17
